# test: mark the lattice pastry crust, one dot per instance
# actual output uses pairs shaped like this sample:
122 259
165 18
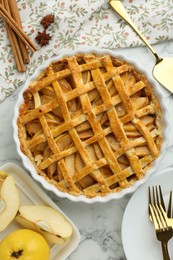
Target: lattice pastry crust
90 125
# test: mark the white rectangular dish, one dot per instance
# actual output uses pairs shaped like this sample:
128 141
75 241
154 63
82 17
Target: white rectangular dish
31 193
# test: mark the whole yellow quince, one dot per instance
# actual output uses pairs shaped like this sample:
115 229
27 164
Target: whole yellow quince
24 244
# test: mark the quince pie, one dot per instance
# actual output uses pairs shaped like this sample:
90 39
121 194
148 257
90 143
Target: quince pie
90 124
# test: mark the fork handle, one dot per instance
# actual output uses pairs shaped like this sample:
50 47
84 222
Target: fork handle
165 252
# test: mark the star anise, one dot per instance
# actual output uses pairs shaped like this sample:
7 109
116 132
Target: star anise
43 38
47 20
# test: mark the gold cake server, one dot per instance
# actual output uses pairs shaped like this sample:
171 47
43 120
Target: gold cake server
163 69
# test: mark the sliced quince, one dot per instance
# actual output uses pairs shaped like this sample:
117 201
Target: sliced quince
9 199
47 221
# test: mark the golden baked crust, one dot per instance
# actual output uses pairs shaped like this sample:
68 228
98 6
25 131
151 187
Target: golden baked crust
90 125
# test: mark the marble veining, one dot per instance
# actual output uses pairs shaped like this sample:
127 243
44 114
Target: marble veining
99 224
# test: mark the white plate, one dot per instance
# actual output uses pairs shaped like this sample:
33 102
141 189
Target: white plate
28 164
138 235
31 193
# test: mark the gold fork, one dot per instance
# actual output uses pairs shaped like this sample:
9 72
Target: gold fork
162 228
161 222
155 196
170 211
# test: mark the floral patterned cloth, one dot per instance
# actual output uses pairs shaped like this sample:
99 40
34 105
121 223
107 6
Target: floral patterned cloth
81 23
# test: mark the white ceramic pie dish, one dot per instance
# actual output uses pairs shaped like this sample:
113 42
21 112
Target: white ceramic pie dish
29 166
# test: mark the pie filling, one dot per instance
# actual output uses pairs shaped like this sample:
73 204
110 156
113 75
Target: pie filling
90 125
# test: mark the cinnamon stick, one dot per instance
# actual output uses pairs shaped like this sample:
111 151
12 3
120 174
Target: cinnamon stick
16 16
14 43
12 23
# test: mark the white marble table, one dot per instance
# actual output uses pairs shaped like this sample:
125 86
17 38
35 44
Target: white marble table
99 224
